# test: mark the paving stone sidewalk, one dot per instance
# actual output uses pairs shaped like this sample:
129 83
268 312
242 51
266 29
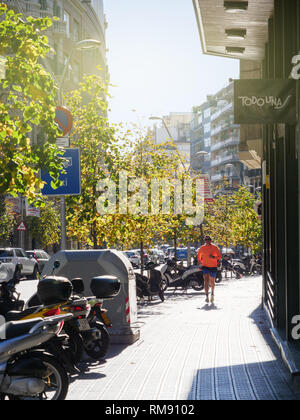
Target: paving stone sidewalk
193 351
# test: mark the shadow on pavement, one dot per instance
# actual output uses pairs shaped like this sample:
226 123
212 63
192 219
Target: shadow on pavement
253 381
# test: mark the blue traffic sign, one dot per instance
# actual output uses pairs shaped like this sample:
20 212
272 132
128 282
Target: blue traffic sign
71 179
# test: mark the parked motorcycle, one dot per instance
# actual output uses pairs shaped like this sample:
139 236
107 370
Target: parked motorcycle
96 349
248 266
66 348
26 372
174 276
86 332
152 285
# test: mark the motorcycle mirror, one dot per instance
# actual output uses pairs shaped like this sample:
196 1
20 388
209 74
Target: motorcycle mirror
56 265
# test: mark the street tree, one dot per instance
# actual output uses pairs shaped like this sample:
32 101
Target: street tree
46 228
246 225
27 105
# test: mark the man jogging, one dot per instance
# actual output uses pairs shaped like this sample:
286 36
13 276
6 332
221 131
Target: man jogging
208 256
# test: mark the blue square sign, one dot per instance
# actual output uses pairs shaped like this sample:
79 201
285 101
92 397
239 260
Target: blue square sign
71 179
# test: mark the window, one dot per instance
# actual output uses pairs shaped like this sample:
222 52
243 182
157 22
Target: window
207 113
67 22
207 128
43 4
6 253
76 31
76 73
207 142
19 253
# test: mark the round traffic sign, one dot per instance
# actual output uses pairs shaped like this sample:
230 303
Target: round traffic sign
64 119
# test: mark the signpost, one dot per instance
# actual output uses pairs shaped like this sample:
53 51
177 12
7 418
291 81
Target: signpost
64 120
22 227
71 179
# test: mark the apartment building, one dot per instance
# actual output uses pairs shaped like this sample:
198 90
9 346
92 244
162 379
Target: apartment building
78 20
176 127
201 137
215 141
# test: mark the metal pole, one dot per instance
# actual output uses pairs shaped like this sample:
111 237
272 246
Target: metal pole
63 244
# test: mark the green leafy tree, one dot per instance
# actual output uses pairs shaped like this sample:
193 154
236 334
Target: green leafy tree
46 228
246 225
27 103
100 158
7 220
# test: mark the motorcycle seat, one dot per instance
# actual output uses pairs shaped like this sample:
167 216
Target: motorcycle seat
19 315
16 329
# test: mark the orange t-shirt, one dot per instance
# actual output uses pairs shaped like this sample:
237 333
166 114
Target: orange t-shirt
209 255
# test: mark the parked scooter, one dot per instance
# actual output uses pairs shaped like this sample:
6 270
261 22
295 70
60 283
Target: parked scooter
63 347
25 372
96 349
183 278
87 333
152 285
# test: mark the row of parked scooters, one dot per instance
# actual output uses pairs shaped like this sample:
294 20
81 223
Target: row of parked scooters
171 275
43 342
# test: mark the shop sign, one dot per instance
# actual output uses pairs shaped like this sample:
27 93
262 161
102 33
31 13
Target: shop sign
265 102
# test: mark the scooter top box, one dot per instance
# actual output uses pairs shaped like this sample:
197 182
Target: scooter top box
105 287
53 290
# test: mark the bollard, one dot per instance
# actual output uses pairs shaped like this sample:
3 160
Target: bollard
122 310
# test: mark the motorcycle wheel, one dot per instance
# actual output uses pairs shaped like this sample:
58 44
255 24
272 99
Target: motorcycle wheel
98 349
219 277
196 284
56 381
164 284
76 344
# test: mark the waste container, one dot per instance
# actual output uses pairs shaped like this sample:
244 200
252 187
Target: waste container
122 310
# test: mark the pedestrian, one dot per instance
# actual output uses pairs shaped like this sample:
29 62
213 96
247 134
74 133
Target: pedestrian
209 256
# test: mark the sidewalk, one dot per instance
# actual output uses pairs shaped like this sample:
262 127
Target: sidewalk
190 350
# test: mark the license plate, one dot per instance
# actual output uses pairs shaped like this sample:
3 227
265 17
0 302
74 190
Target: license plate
83 324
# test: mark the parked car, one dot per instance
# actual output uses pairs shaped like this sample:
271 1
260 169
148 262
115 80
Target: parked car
22 264
162 257
40 256
146 256
134 258
154 256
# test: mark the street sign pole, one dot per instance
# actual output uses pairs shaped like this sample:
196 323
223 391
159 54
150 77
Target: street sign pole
63 223
71 185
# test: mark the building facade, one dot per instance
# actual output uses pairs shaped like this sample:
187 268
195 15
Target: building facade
215 141
78 20
267 51
178 130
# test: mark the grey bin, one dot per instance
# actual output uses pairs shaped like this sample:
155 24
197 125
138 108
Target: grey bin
122 310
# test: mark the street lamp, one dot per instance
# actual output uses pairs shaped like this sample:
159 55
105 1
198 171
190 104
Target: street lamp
84 45
170 136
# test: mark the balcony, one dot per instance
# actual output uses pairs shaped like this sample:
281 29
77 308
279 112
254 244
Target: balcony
221 160
59 28
31 9
226 108
216 178
232 141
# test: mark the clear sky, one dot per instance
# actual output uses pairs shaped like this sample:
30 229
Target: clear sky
156 62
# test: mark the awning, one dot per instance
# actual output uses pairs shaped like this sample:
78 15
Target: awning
240 33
